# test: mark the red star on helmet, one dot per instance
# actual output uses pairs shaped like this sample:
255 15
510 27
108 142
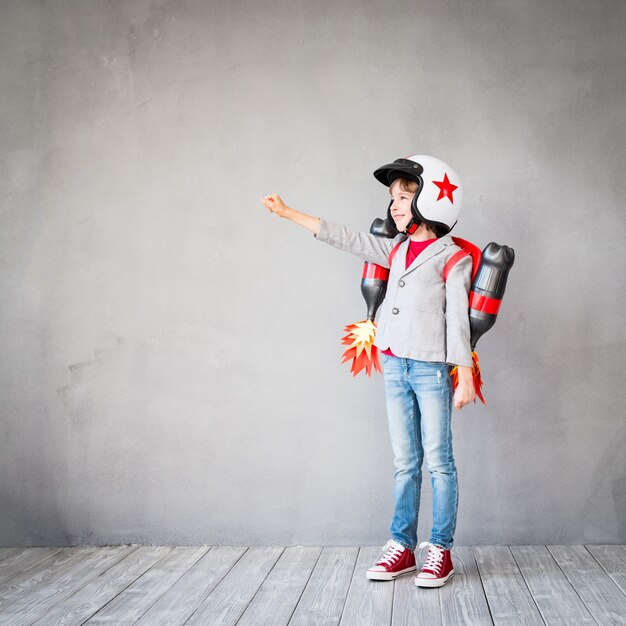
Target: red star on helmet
446 188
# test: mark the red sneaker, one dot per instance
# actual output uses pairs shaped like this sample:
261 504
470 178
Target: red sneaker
437 569
396 561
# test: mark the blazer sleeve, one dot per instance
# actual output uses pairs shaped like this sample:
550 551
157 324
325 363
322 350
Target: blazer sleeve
458 283
364 245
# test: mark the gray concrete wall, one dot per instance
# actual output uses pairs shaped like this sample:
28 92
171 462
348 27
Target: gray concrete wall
170 366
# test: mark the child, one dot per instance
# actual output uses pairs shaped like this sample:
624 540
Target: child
423 330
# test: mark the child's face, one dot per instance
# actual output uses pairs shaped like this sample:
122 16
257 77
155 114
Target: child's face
401 207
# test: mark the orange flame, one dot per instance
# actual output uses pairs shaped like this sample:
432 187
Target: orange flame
362 351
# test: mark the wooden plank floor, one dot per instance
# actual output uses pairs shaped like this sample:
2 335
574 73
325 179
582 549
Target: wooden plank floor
222 585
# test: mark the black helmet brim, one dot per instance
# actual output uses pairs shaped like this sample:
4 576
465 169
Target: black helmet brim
400 168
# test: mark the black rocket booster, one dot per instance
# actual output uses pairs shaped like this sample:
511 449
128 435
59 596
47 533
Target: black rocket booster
374 280
488 289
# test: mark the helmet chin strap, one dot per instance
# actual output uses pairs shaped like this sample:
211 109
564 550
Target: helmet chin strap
411 227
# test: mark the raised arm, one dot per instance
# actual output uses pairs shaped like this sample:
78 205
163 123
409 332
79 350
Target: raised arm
364 245
274 204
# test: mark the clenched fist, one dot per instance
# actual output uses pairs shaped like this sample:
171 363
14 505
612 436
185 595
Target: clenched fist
465 391
274 204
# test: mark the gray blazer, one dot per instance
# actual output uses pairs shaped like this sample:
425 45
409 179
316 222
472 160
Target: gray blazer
421 317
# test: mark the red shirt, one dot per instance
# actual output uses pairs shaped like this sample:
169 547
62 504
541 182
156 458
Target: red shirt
415 247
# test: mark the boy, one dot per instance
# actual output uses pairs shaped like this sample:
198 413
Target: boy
422 332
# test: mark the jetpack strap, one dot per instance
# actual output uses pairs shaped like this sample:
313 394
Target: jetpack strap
452 261
393 253
472 249
467 249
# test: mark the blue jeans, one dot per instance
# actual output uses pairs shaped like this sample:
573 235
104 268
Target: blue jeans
419 409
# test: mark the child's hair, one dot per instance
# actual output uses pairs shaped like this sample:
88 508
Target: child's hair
412 186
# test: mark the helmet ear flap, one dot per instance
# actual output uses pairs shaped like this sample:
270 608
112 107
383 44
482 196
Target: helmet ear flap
437 228
417 216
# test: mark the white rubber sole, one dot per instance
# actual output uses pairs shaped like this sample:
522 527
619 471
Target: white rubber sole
388 575
433 582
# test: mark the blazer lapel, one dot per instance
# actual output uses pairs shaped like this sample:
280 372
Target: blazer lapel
434 248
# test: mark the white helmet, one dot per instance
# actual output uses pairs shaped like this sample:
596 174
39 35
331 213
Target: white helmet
439 197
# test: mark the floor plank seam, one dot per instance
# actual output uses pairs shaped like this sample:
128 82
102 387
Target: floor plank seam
89 582
215 586
519 569
593 617
319 556
345 600
176 581
132 582
249 604
482 584
604 569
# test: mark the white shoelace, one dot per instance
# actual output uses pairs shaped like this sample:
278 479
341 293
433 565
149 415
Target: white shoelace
434 559
392 551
